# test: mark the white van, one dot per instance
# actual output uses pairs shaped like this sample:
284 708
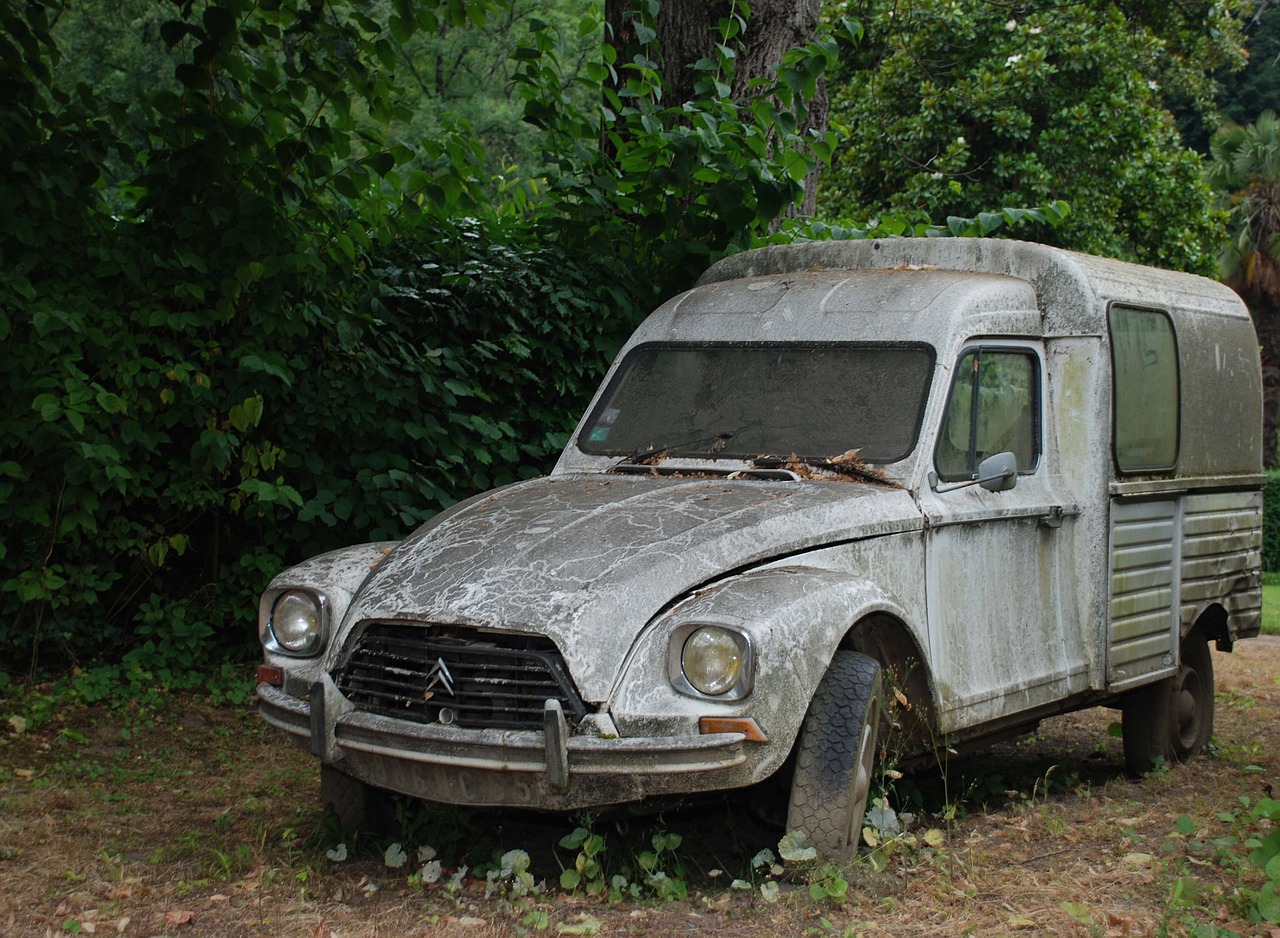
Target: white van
1008 480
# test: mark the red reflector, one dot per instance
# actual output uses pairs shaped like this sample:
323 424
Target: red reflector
744 725
270 675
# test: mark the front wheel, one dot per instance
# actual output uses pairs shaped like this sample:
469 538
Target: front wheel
1172 719
358 807
836 754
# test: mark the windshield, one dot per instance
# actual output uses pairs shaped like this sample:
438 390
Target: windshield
742 401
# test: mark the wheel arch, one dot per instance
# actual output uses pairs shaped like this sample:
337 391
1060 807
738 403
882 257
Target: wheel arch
1212 624
891 642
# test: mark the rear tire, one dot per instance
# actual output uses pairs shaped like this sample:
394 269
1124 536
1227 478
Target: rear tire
835 756
1171 720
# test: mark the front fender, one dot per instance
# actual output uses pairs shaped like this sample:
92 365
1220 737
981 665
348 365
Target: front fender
795 618
336 576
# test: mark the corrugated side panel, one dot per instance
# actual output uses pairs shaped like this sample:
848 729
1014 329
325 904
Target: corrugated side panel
1144 559
1222 557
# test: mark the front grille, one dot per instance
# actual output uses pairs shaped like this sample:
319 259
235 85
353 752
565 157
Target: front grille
447 674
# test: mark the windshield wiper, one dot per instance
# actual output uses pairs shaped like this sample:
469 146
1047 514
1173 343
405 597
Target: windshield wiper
641 457
846 464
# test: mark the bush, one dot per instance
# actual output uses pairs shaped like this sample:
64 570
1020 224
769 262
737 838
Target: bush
258 341
1271 522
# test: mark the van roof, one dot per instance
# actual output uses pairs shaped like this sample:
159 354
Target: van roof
1073 290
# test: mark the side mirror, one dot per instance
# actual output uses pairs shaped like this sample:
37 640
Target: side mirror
997 473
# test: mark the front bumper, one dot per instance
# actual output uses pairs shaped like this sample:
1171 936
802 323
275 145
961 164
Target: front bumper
549 770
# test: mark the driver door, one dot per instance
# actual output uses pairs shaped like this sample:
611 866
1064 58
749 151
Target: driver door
993 560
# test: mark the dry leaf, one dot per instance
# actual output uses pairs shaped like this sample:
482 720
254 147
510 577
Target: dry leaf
179 917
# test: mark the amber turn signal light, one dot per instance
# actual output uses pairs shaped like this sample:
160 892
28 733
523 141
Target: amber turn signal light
747 726
270 675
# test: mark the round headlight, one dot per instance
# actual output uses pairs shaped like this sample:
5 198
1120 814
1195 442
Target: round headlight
295 621
712 659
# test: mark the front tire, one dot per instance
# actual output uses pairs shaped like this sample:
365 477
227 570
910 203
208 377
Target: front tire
835 757
359 807
1171 720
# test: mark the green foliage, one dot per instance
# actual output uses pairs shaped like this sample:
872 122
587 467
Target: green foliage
672 186
586 874
952 107
1256 87
1249 845
463 74
1243 173
649 873
1271 522
918 225
205 377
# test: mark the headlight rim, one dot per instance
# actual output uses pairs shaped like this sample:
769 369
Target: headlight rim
677 641
269 638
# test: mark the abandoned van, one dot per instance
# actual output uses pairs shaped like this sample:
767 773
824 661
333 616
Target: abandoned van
993 480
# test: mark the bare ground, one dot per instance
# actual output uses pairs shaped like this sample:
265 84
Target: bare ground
203 822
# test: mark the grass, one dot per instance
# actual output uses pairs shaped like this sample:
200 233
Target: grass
1271 604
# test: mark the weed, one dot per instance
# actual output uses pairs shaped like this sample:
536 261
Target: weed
1250 844
448 829
669 885
827 883
512 877
227 865
655 872
587 873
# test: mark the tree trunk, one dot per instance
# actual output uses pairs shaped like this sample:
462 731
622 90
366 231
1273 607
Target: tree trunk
688 31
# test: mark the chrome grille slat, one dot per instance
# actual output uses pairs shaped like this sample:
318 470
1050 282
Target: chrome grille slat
494 681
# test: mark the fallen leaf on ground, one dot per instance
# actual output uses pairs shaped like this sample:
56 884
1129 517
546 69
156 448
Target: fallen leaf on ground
179 917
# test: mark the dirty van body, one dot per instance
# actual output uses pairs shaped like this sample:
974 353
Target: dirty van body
997 480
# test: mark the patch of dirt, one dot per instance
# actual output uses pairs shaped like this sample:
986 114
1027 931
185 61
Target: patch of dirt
203 821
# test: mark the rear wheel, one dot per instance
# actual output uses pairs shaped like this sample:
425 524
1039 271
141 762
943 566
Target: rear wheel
1171 720
835 757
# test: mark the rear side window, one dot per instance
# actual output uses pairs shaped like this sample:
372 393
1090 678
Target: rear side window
1146 392
994 407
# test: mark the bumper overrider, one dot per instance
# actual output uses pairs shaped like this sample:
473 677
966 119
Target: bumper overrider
554 768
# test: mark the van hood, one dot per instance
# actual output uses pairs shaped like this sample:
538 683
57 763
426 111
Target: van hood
588 559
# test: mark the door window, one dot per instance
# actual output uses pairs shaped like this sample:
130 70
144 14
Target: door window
994 407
